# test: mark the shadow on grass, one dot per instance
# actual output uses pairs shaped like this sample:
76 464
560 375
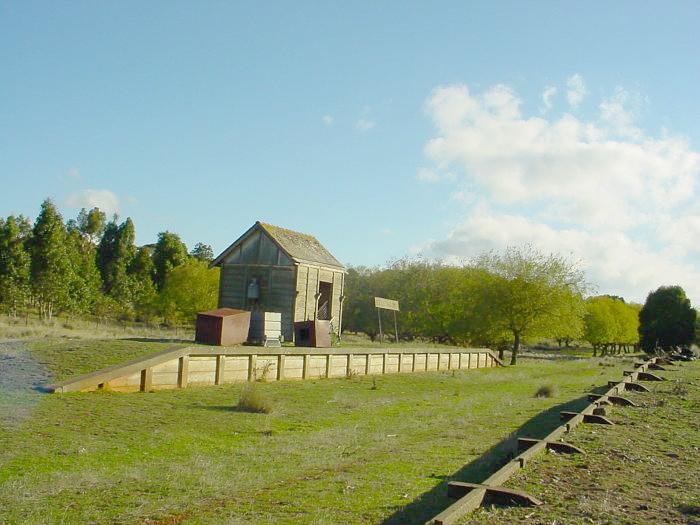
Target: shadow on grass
229 408
691 513
435 500
158 340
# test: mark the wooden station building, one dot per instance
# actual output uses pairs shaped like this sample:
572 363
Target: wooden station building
279 270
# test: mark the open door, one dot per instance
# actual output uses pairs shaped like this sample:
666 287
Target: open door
324 301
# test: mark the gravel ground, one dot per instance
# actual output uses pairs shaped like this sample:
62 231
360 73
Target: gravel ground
20 377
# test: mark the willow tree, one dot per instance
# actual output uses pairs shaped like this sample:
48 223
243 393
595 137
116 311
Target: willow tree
530 294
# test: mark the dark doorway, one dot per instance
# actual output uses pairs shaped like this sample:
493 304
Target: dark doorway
325 291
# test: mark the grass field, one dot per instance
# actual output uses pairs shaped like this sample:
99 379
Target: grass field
31 327
358 450
644 470
66 358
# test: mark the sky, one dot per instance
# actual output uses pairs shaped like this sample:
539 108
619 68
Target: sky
385 129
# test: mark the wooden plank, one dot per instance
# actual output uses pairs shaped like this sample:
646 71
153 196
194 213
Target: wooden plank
463 506
104 375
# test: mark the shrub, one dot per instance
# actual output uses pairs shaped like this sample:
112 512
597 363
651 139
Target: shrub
252 400
545 391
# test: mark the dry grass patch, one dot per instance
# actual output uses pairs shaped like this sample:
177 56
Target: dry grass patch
253 400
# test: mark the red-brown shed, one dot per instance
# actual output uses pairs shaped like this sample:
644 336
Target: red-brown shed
222 327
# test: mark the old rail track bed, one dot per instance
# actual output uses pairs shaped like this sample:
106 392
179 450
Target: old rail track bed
471 496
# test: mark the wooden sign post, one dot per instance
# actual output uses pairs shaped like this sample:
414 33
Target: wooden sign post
386 304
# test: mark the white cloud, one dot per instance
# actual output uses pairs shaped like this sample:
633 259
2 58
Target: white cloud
328 120
619 112
575 90
576 169
547 96
365 124
105 200
608 257
604 190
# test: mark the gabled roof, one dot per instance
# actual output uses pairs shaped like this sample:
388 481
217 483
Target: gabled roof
299 247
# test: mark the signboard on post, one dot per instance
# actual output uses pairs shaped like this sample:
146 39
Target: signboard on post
386 304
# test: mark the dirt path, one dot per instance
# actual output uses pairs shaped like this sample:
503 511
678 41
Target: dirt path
20 375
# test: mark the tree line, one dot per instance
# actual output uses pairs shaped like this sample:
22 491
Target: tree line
91 265
500 300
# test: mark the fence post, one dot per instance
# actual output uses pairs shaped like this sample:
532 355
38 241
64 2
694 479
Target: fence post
281 361
146 379
183 371
251 367
220 364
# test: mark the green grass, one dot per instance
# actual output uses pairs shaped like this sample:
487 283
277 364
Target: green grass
332 451
66 358
642 470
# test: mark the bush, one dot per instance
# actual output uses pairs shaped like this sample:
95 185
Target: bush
252 400
545 391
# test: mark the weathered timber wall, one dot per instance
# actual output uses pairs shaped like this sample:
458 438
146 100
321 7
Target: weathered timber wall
205 365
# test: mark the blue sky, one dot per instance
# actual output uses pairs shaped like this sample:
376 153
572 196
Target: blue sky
384 128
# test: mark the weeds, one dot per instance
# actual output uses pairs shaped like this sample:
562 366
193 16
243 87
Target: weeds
253 400
263 372
545 391
679 389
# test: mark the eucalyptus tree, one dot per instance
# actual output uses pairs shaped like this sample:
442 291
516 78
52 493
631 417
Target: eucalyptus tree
50 267
14 265
84 284
91 223
202 252
169 252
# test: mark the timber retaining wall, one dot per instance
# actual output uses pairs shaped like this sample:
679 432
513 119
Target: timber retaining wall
211 365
